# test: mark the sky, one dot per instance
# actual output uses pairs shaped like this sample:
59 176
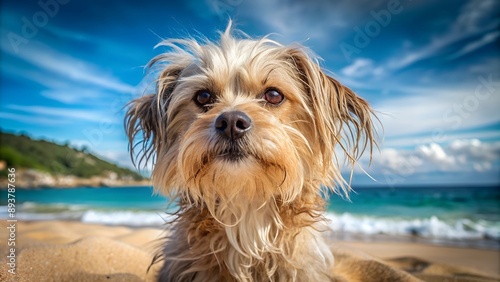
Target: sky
431 70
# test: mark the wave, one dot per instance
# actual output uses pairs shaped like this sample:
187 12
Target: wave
29 211
53 211
432 227
129 218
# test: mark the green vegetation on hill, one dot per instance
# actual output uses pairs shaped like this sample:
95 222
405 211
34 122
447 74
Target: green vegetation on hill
21 151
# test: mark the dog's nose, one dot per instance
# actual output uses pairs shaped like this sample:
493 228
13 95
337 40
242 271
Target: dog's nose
233 124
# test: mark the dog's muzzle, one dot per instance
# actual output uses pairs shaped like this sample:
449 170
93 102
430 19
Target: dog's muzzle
233 125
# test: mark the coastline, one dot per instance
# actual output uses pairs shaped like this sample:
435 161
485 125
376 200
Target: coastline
83 252
32 179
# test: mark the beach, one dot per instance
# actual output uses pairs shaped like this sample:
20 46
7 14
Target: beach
74 251
111 234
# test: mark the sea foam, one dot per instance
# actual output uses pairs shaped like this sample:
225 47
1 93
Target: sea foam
129 218
432 227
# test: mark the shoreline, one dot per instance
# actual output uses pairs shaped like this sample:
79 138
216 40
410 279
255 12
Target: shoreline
30 179
155 216
331 236
86 183
55 240
480 244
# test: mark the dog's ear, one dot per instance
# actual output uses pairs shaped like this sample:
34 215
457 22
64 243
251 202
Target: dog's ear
338 113
148 114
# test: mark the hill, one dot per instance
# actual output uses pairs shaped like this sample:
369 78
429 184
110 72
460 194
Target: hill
59 165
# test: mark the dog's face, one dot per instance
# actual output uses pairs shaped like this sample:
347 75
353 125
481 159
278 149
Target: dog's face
246 120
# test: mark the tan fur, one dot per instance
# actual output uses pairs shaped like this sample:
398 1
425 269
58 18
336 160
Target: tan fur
258 218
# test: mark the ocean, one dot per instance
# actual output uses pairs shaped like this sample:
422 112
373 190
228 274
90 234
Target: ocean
453 216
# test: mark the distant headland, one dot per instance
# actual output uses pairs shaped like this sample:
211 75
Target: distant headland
41 163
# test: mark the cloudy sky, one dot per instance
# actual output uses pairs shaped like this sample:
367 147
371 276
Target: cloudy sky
430 68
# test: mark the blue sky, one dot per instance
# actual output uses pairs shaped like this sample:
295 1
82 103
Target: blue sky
430 68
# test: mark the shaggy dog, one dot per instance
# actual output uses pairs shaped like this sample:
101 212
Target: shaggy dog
243 133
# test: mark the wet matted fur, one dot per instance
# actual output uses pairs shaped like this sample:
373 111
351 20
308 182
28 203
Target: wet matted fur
243 132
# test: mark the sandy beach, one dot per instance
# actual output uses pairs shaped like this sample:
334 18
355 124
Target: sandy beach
74 251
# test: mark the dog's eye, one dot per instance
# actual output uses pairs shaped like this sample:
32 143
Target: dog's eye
273 96
203 98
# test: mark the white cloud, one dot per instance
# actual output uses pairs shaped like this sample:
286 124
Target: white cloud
472 16
446 137
68 92
472 46
71 34
457 156
296 20
393 159
359 67
435 154
444 111
30 120
73 96
67 67
66 113
476 150
469 22
485 65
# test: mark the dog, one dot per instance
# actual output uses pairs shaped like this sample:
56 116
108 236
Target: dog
243 133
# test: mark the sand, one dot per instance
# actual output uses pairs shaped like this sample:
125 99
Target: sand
74 251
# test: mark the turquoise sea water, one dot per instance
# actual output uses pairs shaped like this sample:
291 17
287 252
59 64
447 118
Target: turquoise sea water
465 216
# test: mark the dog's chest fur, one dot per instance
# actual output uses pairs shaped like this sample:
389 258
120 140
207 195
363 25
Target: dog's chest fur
247 242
